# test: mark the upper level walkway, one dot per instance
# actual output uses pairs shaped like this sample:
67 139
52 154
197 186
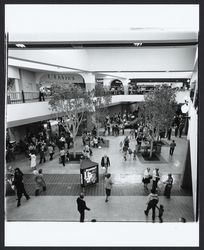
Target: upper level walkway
33 111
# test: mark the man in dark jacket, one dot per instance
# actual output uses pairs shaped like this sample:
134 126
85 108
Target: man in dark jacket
81 206
18 183
105 163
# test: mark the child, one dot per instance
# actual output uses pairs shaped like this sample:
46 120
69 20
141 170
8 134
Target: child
161 211
134 154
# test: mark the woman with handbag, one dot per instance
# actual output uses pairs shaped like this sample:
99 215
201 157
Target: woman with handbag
146 178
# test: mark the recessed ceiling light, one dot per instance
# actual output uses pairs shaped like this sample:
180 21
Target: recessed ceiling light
20 45
137 44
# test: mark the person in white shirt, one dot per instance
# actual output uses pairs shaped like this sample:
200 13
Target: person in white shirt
42 93
146 178
155 178
63 156
32 160
152 201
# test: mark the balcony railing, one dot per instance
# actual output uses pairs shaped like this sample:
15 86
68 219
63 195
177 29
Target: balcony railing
26 97
22 97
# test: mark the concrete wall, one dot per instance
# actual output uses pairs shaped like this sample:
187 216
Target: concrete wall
138 59
28 80
68 58
25 113
193 137
149 59
13 72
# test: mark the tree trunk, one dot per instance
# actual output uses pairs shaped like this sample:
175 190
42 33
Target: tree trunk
74 149
151 148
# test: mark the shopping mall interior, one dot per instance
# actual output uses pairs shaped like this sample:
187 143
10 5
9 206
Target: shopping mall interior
129 60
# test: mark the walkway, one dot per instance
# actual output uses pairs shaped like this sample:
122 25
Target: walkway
128 199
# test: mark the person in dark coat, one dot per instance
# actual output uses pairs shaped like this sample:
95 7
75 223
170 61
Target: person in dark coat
19 185
161 212
169 133
81 206
172 147
42 153
168 186
105 163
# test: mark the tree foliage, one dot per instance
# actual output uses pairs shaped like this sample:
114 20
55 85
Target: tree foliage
102 98
158 109
72 102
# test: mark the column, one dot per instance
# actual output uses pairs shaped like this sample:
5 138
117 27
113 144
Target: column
90 80
125 85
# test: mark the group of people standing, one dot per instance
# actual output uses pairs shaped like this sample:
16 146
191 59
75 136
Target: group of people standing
153 197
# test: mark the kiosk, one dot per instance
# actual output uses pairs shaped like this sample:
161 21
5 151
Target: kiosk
89 174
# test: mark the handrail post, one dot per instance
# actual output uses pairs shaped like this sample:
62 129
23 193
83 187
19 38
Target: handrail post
23 97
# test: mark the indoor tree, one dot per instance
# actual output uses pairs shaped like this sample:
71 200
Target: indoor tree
158 111
101 99
71 102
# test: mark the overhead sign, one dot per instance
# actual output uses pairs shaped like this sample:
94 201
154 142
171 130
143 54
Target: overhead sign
50 78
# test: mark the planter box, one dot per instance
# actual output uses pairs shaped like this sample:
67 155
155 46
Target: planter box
77 158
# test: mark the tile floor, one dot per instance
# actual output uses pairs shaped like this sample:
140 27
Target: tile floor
128 199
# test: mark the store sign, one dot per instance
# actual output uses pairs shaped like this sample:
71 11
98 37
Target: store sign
48 79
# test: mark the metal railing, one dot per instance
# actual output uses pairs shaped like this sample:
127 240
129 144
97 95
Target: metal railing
22 97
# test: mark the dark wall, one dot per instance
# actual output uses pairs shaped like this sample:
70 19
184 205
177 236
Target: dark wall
187 177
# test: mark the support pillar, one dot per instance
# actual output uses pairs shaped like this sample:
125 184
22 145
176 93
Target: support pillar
90 81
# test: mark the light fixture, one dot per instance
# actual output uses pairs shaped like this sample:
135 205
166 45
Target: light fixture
20 45
137 44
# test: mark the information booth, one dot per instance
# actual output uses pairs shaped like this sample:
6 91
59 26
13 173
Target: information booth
89 173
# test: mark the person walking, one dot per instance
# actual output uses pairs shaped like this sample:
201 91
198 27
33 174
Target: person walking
152 201
32 160
51 151
146 178
19 185
108 186
168 186
81 206
42 153
105 163
155 178
40 182
169 131
125 150
63 156
130 152
172 147
161 212
134 154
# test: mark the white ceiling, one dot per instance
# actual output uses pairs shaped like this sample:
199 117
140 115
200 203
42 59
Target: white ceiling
101 22
120 23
